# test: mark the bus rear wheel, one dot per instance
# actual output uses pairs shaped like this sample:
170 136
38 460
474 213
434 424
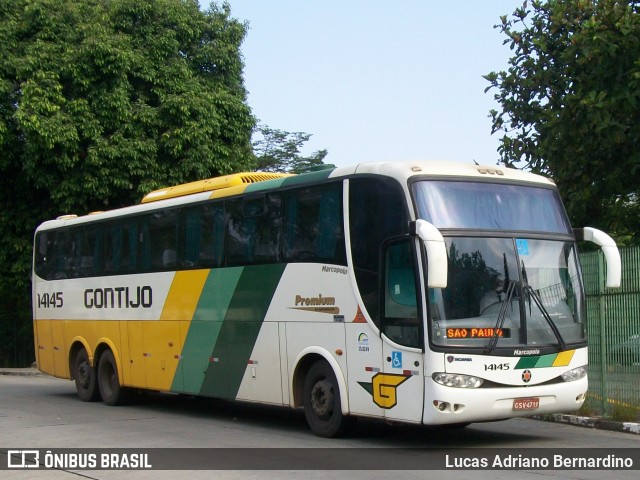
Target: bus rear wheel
84 376
322 401
108 381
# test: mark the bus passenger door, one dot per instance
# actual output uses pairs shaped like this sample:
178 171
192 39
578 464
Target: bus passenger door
400 386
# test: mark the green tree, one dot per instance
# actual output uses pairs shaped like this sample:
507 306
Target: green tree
279 151
102 101
570 105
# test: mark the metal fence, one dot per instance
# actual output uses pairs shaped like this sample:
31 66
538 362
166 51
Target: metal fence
613 327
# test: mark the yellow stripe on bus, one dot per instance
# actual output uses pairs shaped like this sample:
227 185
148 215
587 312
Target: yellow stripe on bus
564 358
184 294
164 340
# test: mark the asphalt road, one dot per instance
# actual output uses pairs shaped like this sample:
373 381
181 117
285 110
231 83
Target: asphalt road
41 412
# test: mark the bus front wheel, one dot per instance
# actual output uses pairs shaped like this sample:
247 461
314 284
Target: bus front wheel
108 381
84 376
322 401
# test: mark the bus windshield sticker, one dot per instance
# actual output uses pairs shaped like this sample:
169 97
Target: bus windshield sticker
523 246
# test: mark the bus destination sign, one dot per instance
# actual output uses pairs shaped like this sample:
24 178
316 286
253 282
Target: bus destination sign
483 332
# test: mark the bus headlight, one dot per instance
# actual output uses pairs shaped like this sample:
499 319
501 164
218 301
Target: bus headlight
575 374
457 380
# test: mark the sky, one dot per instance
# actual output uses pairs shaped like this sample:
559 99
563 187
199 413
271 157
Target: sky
376 80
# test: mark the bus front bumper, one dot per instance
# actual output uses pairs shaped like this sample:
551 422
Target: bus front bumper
450 405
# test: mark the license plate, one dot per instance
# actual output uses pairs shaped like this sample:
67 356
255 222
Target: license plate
526 403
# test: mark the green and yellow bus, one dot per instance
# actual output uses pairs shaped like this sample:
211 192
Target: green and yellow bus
421 292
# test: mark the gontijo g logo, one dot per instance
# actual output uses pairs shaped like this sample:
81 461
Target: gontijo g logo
383 388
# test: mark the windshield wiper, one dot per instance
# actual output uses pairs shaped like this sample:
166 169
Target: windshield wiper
538 301
501 317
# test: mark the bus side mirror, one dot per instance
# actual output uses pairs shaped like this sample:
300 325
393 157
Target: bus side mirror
436 252
610 250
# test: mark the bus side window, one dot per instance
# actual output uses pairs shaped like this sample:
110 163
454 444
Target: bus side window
61 255
158 240
130 235
218 222
121 247
202 235
330 239
401 321
400 285
166 230
143 245
89 249
313 229
268 230
113 247
241 234
301 224
191 236
44 256
254 230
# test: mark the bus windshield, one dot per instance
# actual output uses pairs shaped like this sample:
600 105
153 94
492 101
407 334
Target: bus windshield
508 291
505 293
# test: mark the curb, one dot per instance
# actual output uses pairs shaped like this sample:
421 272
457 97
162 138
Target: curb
592 422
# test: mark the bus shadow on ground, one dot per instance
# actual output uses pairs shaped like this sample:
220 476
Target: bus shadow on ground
374 432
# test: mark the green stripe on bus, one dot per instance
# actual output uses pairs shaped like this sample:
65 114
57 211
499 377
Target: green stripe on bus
527 362
204 329
304 178
536 362
546 360
242 322
217 294
293 180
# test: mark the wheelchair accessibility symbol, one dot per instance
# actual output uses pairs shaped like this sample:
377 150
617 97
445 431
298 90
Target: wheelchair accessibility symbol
396 359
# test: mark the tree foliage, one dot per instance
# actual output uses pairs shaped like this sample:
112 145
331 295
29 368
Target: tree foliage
570 105
279 151
102 101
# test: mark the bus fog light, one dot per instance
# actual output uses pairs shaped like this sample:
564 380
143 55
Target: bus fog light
575 374
457 380
442 406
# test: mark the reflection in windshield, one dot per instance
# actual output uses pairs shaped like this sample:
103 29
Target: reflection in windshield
506 292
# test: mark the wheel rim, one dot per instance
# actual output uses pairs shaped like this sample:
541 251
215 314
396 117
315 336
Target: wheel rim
322 398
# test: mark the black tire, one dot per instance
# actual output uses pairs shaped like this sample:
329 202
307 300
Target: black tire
109 382
322 402
84 376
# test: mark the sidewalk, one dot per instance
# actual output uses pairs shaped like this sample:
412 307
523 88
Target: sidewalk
576 420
